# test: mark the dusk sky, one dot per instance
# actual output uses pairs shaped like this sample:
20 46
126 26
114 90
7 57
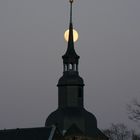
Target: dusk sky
31 47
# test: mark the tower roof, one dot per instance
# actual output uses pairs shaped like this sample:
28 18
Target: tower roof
70 56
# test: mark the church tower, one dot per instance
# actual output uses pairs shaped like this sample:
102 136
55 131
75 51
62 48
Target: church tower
71 118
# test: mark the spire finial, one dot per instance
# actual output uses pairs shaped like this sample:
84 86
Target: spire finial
71 1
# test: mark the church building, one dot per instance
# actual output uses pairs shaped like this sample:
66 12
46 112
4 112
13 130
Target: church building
71 121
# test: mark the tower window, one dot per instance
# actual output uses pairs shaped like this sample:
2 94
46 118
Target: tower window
80 93
75 68
65 67
70 66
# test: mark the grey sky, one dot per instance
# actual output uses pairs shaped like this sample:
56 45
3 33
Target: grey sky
31 46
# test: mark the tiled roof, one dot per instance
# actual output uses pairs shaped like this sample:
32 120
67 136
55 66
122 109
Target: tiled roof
41 133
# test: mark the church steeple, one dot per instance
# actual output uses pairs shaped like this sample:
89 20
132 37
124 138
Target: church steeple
70 58
71 111
70 85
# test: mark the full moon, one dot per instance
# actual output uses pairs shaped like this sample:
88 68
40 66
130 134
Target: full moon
75 35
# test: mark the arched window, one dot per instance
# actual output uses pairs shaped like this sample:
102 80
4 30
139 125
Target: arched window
80 92
70 66
65 67
74 67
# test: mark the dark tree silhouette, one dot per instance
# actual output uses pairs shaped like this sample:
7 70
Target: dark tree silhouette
134 111
117 132
135 136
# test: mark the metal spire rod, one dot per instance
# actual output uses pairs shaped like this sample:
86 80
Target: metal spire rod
71 1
